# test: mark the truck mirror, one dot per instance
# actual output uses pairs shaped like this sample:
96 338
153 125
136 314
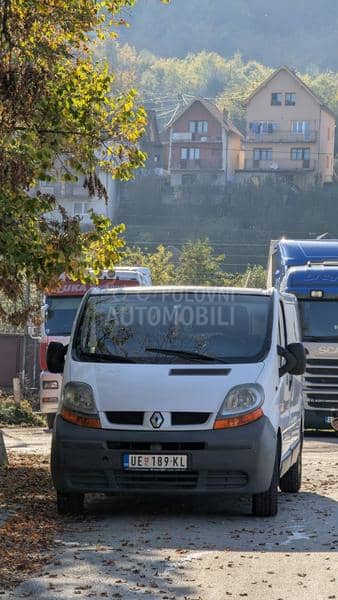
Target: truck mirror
295 359
55 357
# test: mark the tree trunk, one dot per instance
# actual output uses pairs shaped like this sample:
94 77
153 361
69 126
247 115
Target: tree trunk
3 453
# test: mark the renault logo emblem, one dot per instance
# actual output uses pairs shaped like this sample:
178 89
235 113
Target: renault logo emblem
156 420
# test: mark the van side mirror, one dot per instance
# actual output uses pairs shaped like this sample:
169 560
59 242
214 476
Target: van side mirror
55 357
295 359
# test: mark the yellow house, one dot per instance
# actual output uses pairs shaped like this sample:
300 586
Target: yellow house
290 132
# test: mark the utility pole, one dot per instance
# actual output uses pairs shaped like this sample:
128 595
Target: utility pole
3 453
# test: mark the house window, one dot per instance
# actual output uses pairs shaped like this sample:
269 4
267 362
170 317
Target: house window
327 162
276 99
302 127
300 154
198 126
258 127
194 153
290 99
184 153
81 208
328 134
262 154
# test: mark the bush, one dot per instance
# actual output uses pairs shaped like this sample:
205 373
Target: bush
18 414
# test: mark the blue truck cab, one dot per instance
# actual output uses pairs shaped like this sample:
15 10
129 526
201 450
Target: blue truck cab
309 270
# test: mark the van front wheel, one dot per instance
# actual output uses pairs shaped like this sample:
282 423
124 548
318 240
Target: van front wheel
292 480
265 504
69 504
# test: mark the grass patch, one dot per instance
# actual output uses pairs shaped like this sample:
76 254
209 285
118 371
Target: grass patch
21 414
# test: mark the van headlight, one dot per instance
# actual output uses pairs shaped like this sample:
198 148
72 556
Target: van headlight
242 399
79 397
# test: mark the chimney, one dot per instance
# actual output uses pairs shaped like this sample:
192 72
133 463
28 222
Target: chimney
225 114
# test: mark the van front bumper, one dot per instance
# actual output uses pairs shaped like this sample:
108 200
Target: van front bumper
238 460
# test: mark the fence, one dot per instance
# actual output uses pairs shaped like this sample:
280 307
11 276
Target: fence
19 358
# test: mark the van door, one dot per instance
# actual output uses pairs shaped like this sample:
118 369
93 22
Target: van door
284 386
295 384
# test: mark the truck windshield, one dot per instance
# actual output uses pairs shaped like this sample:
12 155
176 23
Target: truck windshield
60 314
176 327
319 319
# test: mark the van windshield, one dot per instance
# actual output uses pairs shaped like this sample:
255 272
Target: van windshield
174 327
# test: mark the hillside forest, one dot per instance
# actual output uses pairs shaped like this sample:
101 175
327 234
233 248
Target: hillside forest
162 82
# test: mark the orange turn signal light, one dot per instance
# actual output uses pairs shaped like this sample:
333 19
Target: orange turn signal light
72 417
238 421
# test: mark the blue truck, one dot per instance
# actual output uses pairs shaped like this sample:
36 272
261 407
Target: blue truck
309 270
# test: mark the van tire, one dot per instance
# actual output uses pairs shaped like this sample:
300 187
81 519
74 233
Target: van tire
69 504
292 480
50 417
265 504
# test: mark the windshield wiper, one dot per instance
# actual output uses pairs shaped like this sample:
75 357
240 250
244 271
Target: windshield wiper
107 358
186 354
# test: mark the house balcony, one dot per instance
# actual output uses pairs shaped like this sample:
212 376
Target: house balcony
195 137
279 137
270 166
196 165
63 189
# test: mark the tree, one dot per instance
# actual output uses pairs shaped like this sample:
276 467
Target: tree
58 117
199 265
159 263
254 277
300 33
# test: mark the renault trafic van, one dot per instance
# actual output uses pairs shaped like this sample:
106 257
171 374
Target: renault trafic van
184 390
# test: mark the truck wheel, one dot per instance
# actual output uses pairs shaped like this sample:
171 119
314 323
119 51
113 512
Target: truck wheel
50 420
292 480
69 504
265 504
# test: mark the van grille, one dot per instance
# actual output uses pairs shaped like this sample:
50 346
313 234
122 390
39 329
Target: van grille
136 418
214 481
189 418
126 480
125 417
222 480
161 446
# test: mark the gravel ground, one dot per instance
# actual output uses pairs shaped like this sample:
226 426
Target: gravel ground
199 549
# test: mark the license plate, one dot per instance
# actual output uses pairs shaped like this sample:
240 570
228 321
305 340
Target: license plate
158 462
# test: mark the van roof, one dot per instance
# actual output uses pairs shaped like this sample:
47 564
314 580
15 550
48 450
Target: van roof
181 288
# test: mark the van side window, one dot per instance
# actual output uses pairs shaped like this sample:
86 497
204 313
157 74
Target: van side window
282 328
293 333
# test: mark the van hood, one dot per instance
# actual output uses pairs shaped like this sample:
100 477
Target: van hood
176 387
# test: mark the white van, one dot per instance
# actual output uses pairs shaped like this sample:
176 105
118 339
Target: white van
186 390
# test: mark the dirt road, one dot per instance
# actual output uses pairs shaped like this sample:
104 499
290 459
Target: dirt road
198 549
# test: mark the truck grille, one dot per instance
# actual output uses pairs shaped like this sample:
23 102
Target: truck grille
321 383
